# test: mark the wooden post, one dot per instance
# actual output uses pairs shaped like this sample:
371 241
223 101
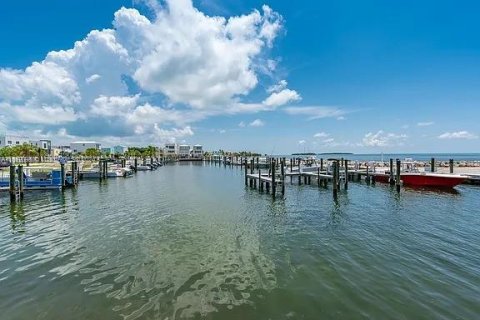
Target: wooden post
72 169
451 166
367 179
252 164
335 184
12 190
258 162
321 164
260 183
318 177
346 174
274 185
398 182
338 176
246 172
282 173
299 173
432 165
135 164
62 175
21 181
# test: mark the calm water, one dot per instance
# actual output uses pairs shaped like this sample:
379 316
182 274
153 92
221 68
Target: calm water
189 241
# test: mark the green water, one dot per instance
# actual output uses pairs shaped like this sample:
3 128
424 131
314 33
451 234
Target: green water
190 241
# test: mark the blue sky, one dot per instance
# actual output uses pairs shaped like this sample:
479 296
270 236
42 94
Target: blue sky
356 76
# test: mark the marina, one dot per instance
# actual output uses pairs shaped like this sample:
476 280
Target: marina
239 160
145 254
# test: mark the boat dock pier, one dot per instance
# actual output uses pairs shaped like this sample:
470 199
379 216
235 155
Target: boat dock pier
272 174
21 179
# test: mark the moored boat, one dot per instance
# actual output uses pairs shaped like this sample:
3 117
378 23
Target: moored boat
424 179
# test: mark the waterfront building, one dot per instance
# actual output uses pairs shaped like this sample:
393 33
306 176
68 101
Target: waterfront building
81 146
184 151
11 140
43 144
170 149
197 151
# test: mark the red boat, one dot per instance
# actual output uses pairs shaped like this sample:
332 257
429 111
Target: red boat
424 179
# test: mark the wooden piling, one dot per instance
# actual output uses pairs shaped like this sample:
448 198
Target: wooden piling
12 189
21 181
432 165
260 183
274 185
367 178
346 174
135 164
335 184
246 172
62 175
398 176
72 171
318 177
321 164
282 173
451 166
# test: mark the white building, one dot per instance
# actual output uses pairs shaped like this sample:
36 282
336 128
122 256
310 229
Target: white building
12 140
43 144
81 146
197 151
184 151
170 149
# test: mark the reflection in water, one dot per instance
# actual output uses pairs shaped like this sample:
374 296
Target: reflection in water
17 217
190 241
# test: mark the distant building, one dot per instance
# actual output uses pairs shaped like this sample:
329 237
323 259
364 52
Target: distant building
11 140
106 150
43 144
119 150
81 146
170 149
197 151
184 151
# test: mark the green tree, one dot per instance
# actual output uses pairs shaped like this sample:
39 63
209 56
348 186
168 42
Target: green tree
92 152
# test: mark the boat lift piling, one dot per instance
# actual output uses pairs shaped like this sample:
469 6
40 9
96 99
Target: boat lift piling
398 177
12 189
21 182
392 177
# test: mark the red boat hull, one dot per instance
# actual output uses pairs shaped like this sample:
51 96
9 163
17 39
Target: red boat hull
425 180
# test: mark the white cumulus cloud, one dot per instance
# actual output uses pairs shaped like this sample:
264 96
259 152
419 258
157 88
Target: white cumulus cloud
146 77
383 139
321 135
458 135
257 123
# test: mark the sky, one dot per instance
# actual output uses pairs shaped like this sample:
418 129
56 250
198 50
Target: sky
267 76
